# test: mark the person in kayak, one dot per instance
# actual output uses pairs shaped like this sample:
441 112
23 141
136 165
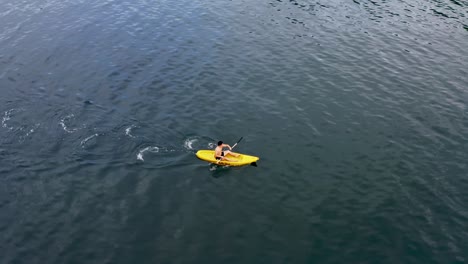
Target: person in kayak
221 154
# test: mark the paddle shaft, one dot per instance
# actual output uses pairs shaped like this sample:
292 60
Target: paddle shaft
237 142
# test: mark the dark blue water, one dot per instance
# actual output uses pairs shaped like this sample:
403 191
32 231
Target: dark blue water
357 110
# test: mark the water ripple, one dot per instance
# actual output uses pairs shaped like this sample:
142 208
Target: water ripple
64 126
147 149
356 108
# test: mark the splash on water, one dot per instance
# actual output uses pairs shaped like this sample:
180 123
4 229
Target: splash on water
6 117
188 144
128 130
26 129
32 130
83 142
150 149
214 167
64 126
198 142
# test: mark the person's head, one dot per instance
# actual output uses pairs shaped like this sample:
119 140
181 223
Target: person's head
220 143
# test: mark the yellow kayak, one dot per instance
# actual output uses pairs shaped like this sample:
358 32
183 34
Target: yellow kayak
208 155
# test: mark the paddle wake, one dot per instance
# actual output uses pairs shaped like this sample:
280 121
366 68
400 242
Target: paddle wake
147 149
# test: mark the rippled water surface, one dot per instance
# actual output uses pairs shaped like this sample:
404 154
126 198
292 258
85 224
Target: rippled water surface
357 109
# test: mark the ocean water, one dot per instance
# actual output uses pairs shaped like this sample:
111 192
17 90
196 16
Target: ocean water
357 110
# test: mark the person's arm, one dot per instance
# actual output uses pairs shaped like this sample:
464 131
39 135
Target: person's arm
226 145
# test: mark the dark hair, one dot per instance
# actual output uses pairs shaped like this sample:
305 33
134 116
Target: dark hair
220 143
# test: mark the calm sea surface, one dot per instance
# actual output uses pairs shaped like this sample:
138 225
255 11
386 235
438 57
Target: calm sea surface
358 110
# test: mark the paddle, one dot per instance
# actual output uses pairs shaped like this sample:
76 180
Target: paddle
237 142
232 147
